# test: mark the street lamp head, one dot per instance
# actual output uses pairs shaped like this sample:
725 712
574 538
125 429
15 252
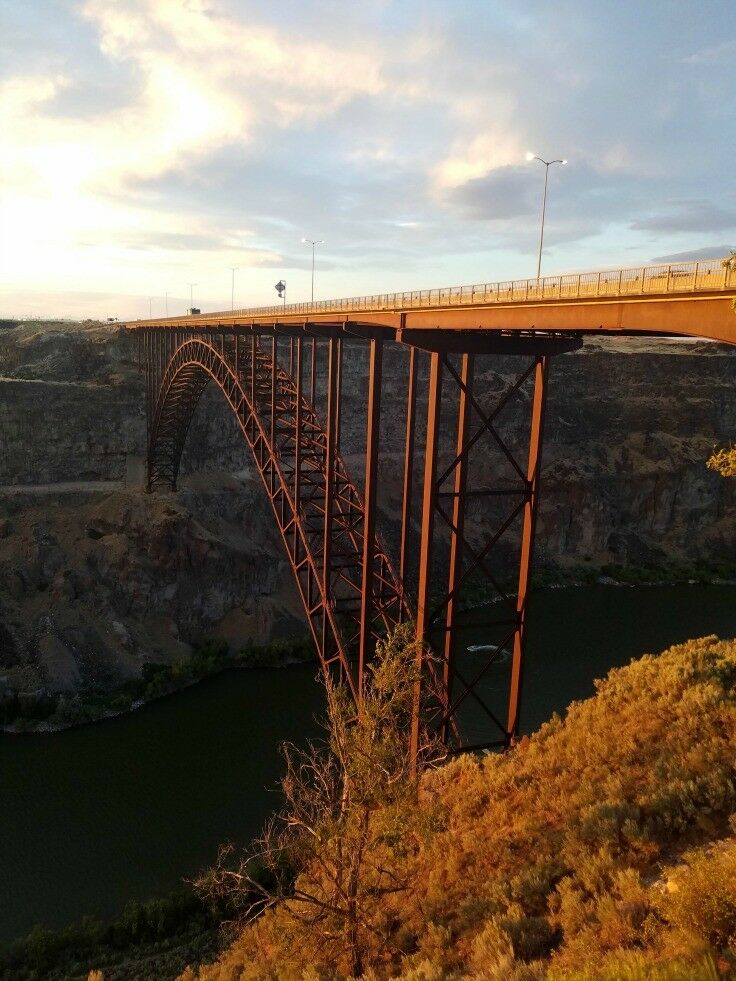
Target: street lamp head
530 155
563 161
304 241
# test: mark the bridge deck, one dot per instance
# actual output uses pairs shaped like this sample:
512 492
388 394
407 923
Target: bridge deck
692 298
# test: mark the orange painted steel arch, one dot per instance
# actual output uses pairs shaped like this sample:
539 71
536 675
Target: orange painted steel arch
197 356
189 368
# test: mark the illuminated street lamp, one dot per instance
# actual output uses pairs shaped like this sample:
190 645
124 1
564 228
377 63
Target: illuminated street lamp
314 243
547 164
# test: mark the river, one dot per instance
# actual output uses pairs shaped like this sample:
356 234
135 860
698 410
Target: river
123 809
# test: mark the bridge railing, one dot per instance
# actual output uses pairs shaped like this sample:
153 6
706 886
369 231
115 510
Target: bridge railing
681 277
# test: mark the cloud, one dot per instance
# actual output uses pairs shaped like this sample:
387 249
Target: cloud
710 252
582 202
201 81
476 160
153 142
231 74
505 192
689 216
723 53
173 240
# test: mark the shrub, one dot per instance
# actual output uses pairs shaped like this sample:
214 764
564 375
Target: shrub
627 966
162 931
545 858
700 896
723 461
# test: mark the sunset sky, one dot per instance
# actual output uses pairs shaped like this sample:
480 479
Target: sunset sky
147 144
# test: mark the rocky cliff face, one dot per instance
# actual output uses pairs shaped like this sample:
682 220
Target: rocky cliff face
96 578
629 425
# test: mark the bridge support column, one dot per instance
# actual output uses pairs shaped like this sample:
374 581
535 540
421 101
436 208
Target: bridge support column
329 497
298 424
411 407
366 643
539 401
426 537
457 531
462 691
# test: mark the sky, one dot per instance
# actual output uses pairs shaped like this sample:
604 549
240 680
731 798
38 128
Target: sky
149 144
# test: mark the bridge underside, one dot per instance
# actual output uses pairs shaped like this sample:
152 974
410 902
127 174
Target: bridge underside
361 569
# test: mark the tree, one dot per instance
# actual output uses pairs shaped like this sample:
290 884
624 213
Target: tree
336 863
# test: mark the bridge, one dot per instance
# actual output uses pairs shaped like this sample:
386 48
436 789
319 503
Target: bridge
281 370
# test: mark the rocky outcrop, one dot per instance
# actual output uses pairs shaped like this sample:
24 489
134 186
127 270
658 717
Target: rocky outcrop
96 578
95 585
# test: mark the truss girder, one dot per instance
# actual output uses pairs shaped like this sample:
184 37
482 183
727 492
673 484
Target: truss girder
351 592
319 511
446 497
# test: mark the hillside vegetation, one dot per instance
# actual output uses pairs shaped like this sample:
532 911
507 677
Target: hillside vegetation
599 848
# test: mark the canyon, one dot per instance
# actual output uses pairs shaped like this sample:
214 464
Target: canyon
98 578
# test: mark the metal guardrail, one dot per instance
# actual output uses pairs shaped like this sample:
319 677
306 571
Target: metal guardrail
681 277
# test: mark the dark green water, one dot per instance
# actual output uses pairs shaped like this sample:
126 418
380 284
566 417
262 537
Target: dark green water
124 809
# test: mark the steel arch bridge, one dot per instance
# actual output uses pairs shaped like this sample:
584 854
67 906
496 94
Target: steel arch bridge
281 371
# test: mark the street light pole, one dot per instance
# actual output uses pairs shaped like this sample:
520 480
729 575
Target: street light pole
547 165
314 243
191 296
233 269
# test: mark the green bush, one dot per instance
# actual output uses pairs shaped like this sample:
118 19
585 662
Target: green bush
168 931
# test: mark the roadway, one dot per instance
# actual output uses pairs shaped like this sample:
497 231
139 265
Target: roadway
694 299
